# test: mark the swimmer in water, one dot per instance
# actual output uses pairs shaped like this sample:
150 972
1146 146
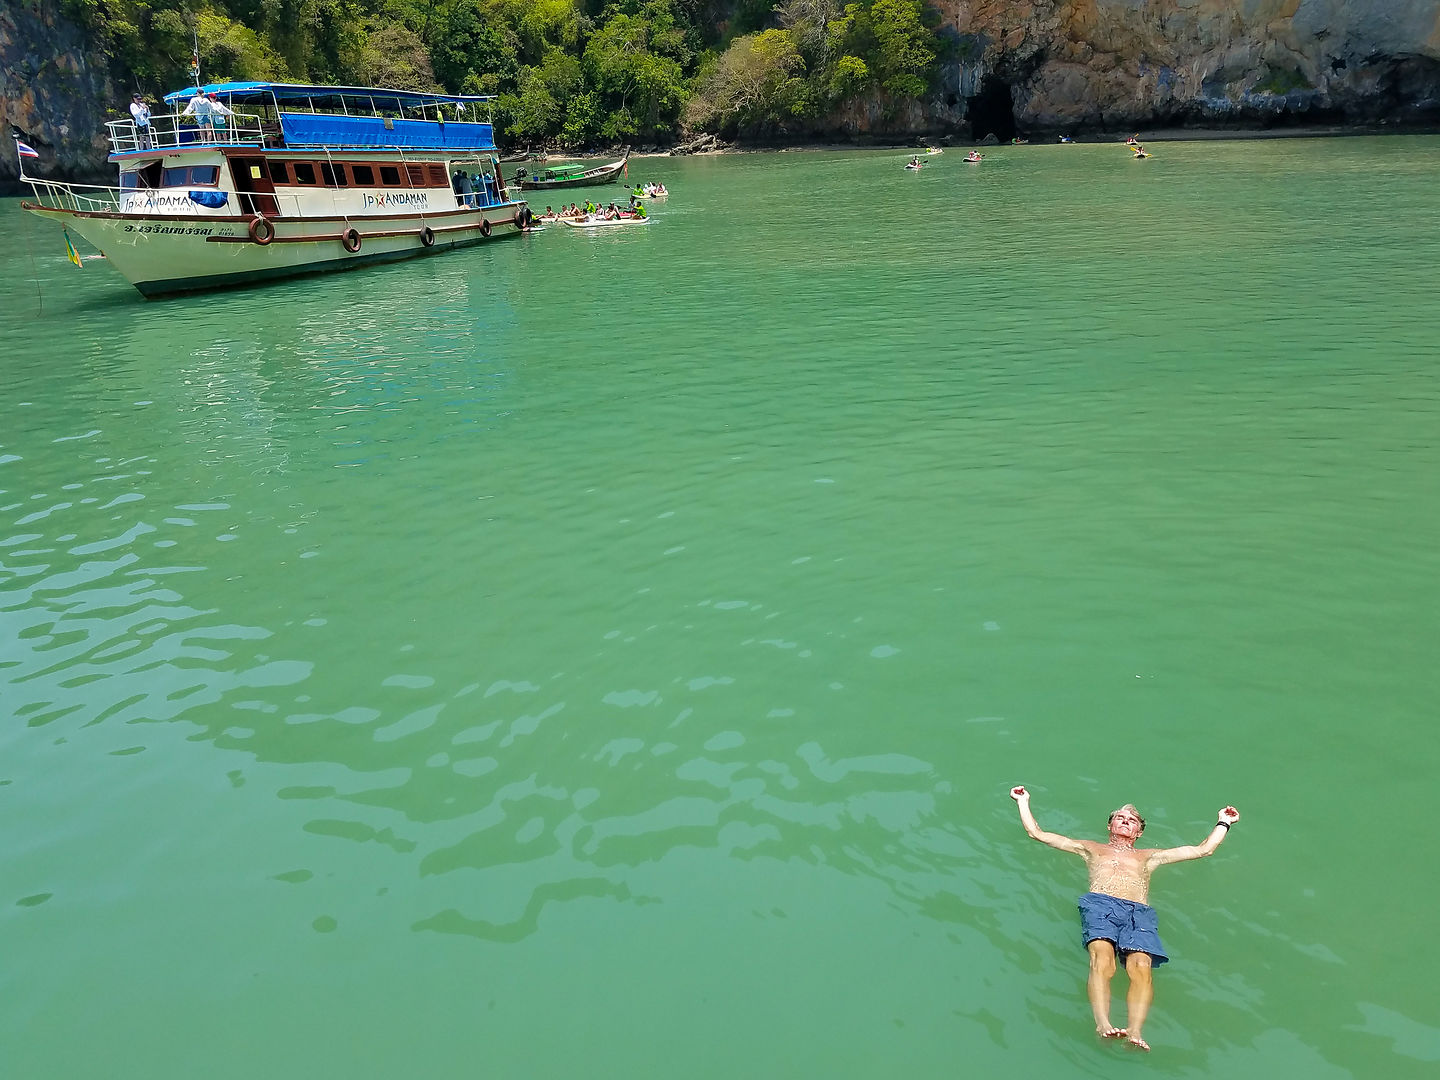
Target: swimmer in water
1114 916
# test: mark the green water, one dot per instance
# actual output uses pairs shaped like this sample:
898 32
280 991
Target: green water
607 656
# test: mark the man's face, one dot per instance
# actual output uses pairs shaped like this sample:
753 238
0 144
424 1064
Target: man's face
1125 823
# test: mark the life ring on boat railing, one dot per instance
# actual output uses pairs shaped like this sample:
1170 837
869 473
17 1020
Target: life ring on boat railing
350 240
427 237
484 227
261 231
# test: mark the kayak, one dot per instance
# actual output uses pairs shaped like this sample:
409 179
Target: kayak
913 168
586 223
974 160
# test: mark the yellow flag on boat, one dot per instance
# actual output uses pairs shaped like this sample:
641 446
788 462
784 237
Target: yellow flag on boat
71 253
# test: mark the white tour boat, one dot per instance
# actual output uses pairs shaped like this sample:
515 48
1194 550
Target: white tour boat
293 180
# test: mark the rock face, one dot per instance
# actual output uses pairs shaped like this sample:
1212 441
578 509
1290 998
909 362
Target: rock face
1132 63
53 91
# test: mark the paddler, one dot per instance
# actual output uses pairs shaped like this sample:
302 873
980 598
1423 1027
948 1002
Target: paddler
1114 916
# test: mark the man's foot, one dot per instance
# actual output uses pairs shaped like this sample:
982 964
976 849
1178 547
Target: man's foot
1111 1032
1137 1043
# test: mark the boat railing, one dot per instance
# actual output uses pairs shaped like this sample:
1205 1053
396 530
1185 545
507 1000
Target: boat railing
95 198
81 198
176 131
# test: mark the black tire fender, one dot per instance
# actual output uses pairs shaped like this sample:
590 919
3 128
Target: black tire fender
350 240
427 237
261 231
484 227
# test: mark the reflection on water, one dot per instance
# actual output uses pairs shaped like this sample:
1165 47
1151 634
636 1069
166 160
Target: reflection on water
712 584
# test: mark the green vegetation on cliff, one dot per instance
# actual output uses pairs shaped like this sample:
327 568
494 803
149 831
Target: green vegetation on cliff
566 72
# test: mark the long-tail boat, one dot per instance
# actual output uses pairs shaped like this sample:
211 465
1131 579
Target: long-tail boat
568 176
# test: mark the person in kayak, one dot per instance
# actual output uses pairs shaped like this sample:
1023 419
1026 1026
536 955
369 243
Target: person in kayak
1115 919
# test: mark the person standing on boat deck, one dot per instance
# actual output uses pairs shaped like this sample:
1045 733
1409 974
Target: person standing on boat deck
218 110
199 108
140 113
1114 916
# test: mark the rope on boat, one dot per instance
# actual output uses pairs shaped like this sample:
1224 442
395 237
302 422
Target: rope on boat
34 270
333 188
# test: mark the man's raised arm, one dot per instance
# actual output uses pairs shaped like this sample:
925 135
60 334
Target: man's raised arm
1162 856
1033 830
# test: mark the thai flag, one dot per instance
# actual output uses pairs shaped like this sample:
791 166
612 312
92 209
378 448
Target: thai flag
25 149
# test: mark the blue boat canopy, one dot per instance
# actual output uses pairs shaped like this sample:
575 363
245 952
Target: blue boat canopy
242 91
356 117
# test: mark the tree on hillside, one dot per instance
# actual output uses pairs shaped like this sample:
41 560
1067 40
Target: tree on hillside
809 24
539 108
472 50
904 60
394 56
756 84
636 63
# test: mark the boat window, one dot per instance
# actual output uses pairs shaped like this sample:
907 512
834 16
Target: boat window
416 174
389 176
279 174
131 179
333 175
189 177
304 172
437 176
363 175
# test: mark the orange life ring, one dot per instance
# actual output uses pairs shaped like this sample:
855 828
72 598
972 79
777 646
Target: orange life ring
427 237
261 231
350 240
484 227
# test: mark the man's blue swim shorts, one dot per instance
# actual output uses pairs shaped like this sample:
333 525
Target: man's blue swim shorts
1129 926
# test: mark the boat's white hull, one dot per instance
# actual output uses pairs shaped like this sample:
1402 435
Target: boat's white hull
170 254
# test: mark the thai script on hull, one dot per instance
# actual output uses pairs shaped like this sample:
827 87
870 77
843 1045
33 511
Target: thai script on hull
177 230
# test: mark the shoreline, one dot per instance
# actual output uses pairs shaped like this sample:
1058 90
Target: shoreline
1157 135
11 187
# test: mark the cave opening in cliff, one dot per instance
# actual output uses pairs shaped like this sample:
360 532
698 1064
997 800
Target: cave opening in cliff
992 111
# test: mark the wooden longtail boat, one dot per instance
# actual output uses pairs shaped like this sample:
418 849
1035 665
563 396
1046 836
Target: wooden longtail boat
570 176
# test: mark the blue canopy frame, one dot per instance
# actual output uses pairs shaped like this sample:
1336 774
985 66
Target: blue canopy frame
298 91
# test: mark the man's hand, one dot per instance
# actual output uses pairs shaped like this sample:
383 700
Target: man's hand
1019 794
1230 815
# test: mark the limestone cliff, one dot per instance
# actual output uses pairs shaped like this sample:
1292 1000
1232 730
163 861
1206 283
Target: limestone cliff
53 89
1132 63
